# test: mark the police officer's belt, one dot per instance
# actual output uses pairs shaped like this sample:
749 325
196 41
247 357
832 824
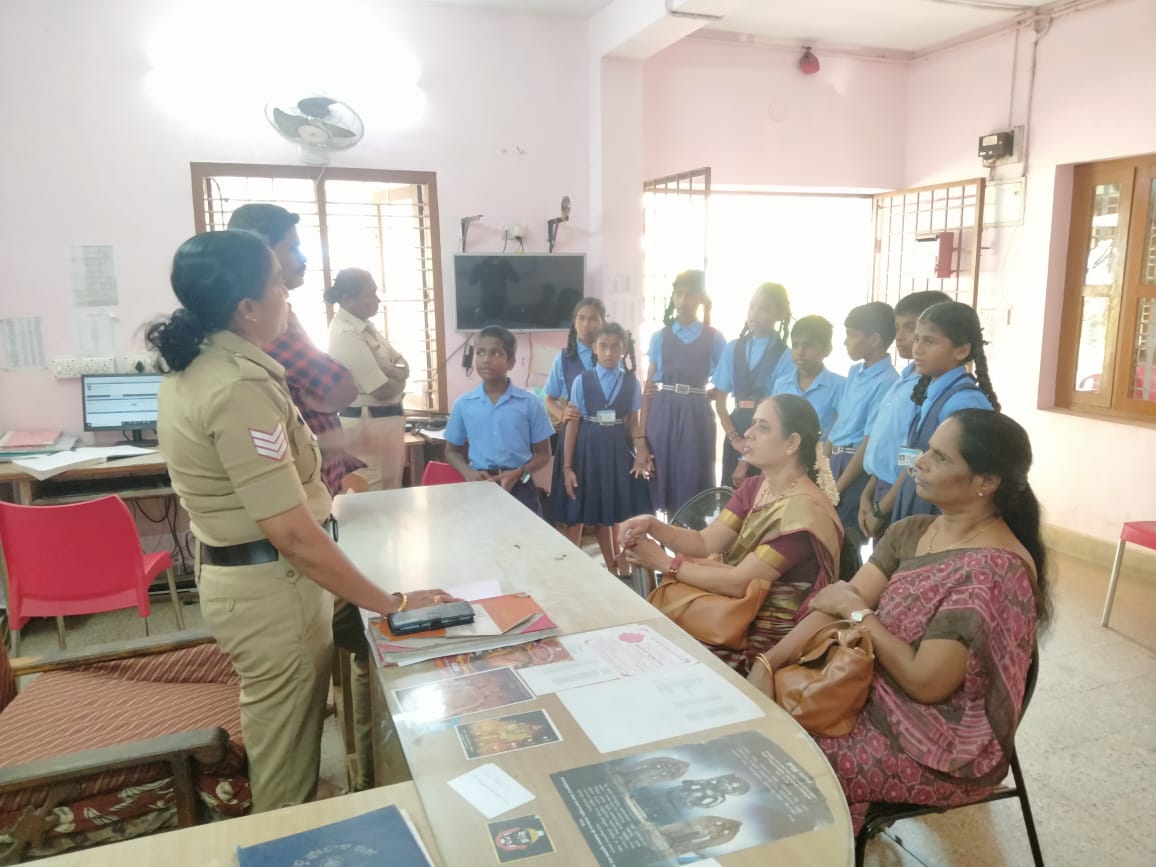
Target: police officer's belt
247 553
374 411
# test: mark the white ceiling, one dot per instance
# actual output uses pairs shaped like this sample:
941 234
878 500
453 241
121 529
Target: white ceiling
894 25
905 26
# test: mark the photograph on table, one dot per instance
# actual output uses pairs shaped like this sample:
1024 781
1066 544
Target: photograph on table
488 737
516 839
686 803
542 652
458 696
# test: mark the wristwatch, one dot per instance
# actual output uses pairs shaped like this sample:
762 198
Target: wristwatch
857 616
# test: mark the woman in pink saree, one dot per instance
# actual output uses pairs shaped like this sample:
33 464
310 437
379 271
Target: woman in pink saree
952 603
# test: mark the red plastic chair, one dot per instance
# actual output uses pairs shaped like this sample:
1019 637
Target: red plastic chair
80 558
438 473
1138 533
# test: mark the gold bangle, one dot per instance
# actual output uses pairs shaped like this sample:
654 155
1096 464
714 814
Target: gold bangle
404 602
763 659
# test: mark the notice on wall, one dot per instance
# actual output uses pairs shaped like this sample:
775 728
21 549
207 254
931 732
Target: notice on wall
94 331
22 343
93 276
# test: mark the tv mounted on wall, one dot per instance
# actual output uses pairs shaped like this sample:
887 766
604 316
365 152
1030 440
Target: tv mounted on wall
519 291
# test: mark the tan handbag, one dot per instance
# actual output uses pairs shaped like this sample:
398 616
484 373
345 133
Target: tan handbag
721 621
825 690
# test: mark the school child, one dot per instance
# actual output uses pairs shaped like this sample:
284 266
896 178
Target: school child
888 433
606 459
578 357
947 337
870 331
499 432
810 344
676 412
748 369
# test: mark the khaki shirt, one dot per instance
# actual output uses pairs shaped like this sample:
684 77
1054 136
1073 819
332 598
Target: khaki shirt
361 348
237 449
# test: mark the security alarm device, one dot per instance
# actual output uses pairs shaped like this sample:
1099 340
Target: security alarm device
996 145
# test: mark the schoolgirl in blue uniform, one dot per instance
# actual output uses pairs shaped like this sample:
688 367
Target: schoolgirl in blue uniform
606 459
947 337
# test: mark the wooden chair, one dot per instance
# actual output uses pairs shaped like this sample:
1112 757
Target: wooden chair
882 815
117 740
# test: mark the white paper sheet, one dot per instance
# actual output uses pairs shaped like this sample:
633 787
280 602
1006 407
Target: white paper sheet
93 276
112 451
652 707
491 791
22 343
94 331
630 650
486 589
558 676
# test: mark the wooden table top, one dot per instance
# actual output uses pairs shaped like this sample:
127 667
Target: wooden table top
215 844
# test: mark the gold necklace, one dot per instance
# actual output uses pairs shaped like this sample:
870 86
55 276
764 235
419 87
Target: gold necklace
772 499
978 529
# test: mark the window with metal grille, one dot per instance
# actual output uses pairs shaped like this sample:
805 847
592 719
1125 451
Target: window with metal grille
385 222
929 238
674 239
1107 354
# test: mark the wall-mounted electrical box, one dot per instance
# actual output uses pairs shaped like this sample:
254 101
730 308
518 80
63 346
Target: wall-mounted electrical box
996 146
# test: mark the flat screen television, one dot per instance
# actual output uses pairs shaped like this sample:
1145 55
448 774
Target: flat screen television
123 401
521 292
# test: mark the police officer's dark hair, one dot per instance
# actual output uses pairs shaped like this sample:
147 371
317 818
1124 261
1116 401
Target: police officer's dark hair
874 317
509 341
271 222
347 284
212 273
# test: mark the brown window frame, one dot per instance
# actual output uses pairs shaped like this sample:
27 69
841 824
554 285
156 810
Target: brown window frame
1135 176
436 365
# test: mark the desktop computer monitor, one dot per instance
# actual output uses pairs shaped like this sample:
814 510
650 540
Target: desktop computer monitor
125 402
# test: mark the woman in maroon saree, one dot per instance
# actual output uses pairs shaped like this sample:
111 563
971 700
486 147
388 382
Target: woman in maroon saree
952 604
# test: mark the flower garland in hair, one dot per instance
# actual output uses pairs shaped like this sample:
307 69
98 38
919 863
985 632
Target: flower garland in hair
825 480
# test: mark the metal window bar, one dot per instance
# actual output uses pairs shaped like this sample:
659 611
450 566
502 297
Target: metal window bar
907 223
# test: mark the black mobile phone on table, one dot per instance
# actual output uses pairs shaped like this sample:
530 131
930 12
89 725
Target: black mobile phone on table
430 617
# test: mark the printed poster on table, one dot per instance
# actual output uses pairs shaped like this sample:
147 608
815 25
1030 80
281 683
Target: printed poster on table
690 802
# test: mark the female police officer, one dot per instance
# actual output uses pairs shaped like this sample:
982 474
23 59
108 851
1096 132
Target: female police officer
247 471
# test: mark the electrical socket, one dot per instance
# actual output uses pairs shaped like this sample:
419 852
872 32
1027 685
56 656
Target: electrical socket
65 368
515 231
100 364
142 363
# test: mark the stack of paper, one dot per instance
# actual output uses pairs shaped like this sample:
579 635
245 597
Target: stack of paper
499 621
46 466
26 443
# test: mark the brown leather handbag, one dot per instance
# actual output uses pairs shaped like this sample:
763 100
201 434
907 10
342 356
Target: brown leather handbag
712 618
828 686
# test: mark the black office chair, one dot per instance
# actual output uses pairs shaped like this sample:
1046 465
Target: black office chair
697 512
882 815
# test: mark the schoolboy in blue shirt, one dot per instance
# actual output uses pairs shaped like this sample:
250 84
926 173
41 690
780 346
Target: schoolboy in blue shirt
888 432
870 331
499 432
810 344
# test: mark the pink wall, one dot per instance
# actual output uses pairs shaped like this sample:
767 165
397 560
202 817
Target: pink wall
503 125
1093 68
747 112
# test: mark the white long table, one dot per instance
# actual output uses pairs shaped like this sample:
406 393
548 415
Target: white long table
441 536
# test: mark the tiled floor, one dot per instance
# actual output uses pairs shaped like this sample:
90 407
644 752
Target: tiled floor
1087 744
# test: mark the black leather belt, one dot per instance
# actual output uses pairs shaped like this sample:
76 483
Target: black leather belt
250 553
374 411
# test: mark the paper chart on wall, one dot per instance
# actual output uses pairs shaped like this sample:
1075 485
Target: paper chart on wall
92 276
94 331
22 343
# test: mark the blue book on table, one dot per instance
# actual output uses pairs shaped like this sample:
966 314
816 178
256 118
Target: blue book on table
378 839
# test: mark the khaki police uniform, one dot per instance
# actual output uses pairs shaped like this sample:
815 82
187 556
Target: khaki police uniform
238 452
374 427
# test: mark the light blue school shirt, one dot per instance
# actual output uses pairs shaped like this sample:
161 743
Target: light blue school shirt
859 404
968 398
724 372
499 434
687 334
610 381
888 433
556 381
823 395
